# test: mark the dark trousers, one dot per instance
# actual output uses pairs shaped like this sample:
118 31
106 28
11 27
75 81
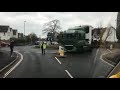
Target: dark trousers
11 51
43 51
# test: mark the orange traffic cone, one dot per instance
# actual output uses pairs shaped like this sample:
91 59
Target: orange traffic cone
61 53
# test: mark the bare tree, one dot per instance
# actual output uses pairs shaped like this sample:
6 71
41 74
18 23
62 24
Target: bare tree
108 33
52 26
102 31
118 27
100 24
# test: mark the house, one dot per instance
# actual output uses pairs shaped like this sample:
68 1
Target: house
20 35
5 32
15 33
110 35
97 33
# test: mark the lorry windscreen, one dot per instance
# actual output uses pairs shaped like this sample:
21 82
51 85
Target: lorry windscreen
73 36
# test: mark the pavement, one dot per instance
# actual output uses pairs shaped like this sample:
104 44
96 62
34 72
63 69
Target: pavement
5 58
113 56
115 70
82 65
101 68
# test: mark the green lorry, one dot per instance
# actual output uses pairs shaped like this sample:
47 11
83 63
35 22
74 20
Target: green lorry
77 39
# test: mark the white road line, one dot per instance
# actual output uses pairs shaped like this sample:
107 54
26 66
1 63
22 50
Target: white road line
38 52
104 60
96 55
26 52
58 60
9 64
113 69
14 66
109 50
68 73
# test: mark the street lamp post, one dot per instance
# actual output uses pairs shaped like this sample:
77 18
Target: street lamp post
0 41
24 30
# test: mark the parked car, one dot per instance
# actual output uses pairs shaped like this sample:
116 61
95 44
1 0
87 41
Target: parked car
55 43
4 44
37 42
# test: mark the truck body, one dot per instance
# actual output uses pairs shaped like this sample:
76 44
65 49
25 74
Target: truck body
78 38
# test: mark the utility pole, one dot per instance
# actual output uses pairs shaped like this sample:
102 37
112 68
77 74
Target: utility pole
0 41
31 38
24 30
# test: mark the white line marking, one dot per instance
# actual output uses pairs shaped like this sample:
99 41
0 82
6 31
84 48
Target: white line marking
96 55
38 52
9 64
109 50
58 60
26 52
104 60
113 70
68 73
14 66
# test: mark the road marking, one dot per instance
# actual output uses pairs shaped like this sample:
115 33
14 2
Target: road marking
38 52
68 73
58 60
9 64
14 66
113 70
109 50
104 60
96 55
26 52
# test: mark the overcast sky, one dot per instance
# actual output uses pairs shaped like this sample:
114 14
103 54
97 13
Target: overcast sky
36 20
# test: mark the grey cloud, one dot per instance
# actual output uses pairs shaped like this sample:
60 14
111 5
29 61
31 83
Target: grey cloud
36 20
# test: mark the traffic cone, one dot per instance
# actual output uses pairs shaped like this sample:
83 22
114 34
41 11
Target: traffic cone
61 53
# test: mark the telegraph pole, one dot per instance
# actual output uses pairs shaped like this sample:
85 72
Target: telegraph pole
0 41
24 30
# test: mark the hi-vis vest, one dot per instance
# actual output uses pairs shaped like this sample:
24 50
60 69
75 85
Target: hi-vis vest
44 46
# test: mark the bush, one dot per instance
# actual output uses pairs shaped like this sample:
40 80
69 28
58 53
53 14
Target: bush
19 41
53 47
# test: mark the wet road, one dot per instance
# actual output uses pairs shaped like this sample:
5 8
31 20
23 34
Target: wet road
36 65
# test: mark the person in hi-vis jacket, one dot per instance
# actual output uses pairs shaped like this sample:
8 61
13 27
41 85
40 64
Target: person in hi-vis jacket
43 47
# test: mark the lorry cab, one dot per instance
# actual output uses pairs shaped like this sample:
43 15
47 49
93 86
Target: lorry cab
74 39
